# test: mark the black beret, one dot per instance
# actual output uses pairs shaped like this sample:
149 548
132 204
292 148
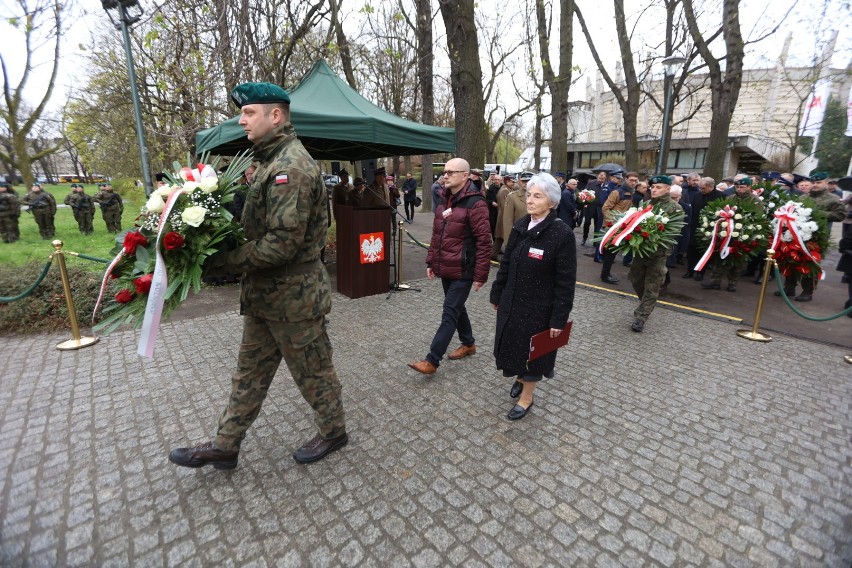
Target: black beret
259 93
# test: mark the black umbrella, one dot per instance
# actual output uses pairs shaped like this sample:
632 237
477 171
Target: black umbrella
608 167
845 183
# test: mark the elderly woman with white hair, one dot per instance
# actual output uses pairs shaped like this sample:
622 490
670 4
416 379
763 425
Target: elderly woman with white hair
533 290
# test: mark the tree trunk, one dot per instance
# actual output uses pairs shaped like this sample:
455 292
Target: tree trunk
724 85
424 73
466 80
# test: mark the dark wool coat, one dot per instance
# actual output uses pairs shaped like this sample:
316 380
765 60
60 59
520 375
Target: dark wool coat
461 236
533 294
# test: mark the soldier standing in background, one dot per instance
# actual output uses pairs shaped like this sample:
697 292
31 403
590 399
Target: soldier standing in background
83 207
10 210
499 231
111 207
285 293
648 273
43 207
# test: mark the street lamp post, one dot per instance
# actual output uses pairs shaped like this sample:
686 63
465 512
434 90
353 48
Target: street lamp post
672 66
125 20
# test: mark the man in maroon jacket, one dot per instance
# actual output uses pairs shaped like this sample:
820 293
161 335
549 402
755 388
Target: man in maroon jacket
460 255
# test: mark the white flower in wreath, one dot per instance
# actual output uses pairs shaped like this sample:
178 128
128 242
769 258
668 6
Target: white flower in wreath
664 220
735 234
723 233
193 215
155 203
190 186
745 237
738 216
757 227
208 184
738 225
708 233
749 227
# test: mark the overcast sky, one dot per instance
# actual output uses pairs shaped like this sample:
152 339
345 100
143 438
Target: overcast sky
757 16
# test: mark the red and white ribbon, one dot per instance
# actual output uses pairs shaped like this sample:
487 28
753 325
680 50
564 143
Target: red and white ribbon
726 221
788 217
624 227
159 285
109 270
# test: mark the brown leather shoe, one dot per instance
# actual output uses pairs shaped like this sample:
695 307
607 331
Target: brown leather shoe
318 447
424 367
205 454
462 351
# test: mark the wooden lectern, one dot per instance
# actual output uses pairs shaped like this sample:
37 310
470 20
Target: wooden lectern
363 264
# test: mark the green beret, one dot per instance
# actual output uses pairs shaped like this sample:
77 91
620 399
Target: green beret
818 176
744 181
259 93
660 179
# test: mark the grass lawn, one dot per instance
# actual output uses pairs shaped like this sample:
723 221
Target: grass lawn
32 247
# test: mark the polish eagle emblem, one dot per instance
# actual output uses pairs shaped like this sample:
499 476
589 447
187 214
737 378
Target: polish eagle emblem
372 249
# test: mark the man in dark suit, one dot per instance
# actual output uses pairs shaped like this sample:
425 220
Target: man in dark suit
709 193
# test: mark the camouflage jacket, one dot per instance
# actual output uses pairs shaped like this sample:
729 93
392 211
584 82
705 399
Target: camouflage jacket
829 203
79 201
749 197
285 221
41 201
670 208
9 204
109 200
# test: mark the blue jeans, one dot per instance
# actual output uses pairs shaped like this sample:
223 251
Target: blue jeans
454 318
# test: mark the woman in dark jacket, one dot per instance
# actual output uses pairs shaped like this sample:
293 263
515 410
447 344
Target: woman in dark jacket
534 290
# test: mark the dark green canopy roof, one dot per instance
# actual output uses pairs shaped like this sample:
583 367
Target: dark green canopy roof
334 122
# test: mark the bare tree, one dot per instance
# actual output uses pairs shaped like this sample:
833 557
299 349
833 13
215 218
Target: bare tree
465 79
425 58
628 96
42 26
558 83
724 83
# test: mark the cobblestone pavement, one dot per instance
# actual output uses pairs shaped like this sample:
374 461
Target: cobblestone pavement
681 446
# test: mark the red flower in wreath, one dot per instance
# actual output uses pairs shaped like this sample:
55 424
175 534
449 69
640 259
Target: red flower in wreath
143 283
132 240
628 237
172 240
124 296
645 234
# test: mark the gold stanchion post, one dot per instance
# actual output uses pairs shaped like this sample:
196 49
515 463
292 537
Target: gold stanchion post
76 342
753 333
399 284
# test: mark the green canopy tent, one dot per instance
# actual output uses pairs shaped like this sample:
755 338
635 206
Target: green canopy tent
334 122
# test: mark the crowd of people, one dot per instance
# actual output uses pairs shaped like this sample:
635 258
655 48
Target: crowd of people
42 205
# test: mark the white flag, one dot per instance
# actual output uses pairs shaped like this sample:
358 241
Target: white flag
815 109
849 114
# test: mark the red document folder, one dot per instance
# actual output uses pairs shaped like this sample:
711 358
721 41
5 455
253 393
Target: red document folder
541 343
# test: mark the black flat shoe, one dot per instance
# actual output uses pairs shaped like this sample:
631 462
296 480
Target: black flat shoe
518 411
516 389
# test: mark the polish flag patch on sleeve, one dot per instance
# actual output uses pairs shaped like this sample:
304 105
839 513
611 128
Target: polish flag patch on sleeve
281 179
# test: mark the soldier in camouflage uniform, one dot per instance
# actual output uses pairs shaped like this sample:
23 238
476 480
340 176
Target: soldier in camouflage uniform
43 207
111 207
836 211
10 210
83 207
731 268
647 274
285 291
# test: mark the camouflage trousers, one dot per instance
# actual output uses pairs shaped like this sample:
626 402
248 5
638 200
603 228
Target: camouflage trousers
112 218
730 270
84 220
9 228
306 349
44 219
647 275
